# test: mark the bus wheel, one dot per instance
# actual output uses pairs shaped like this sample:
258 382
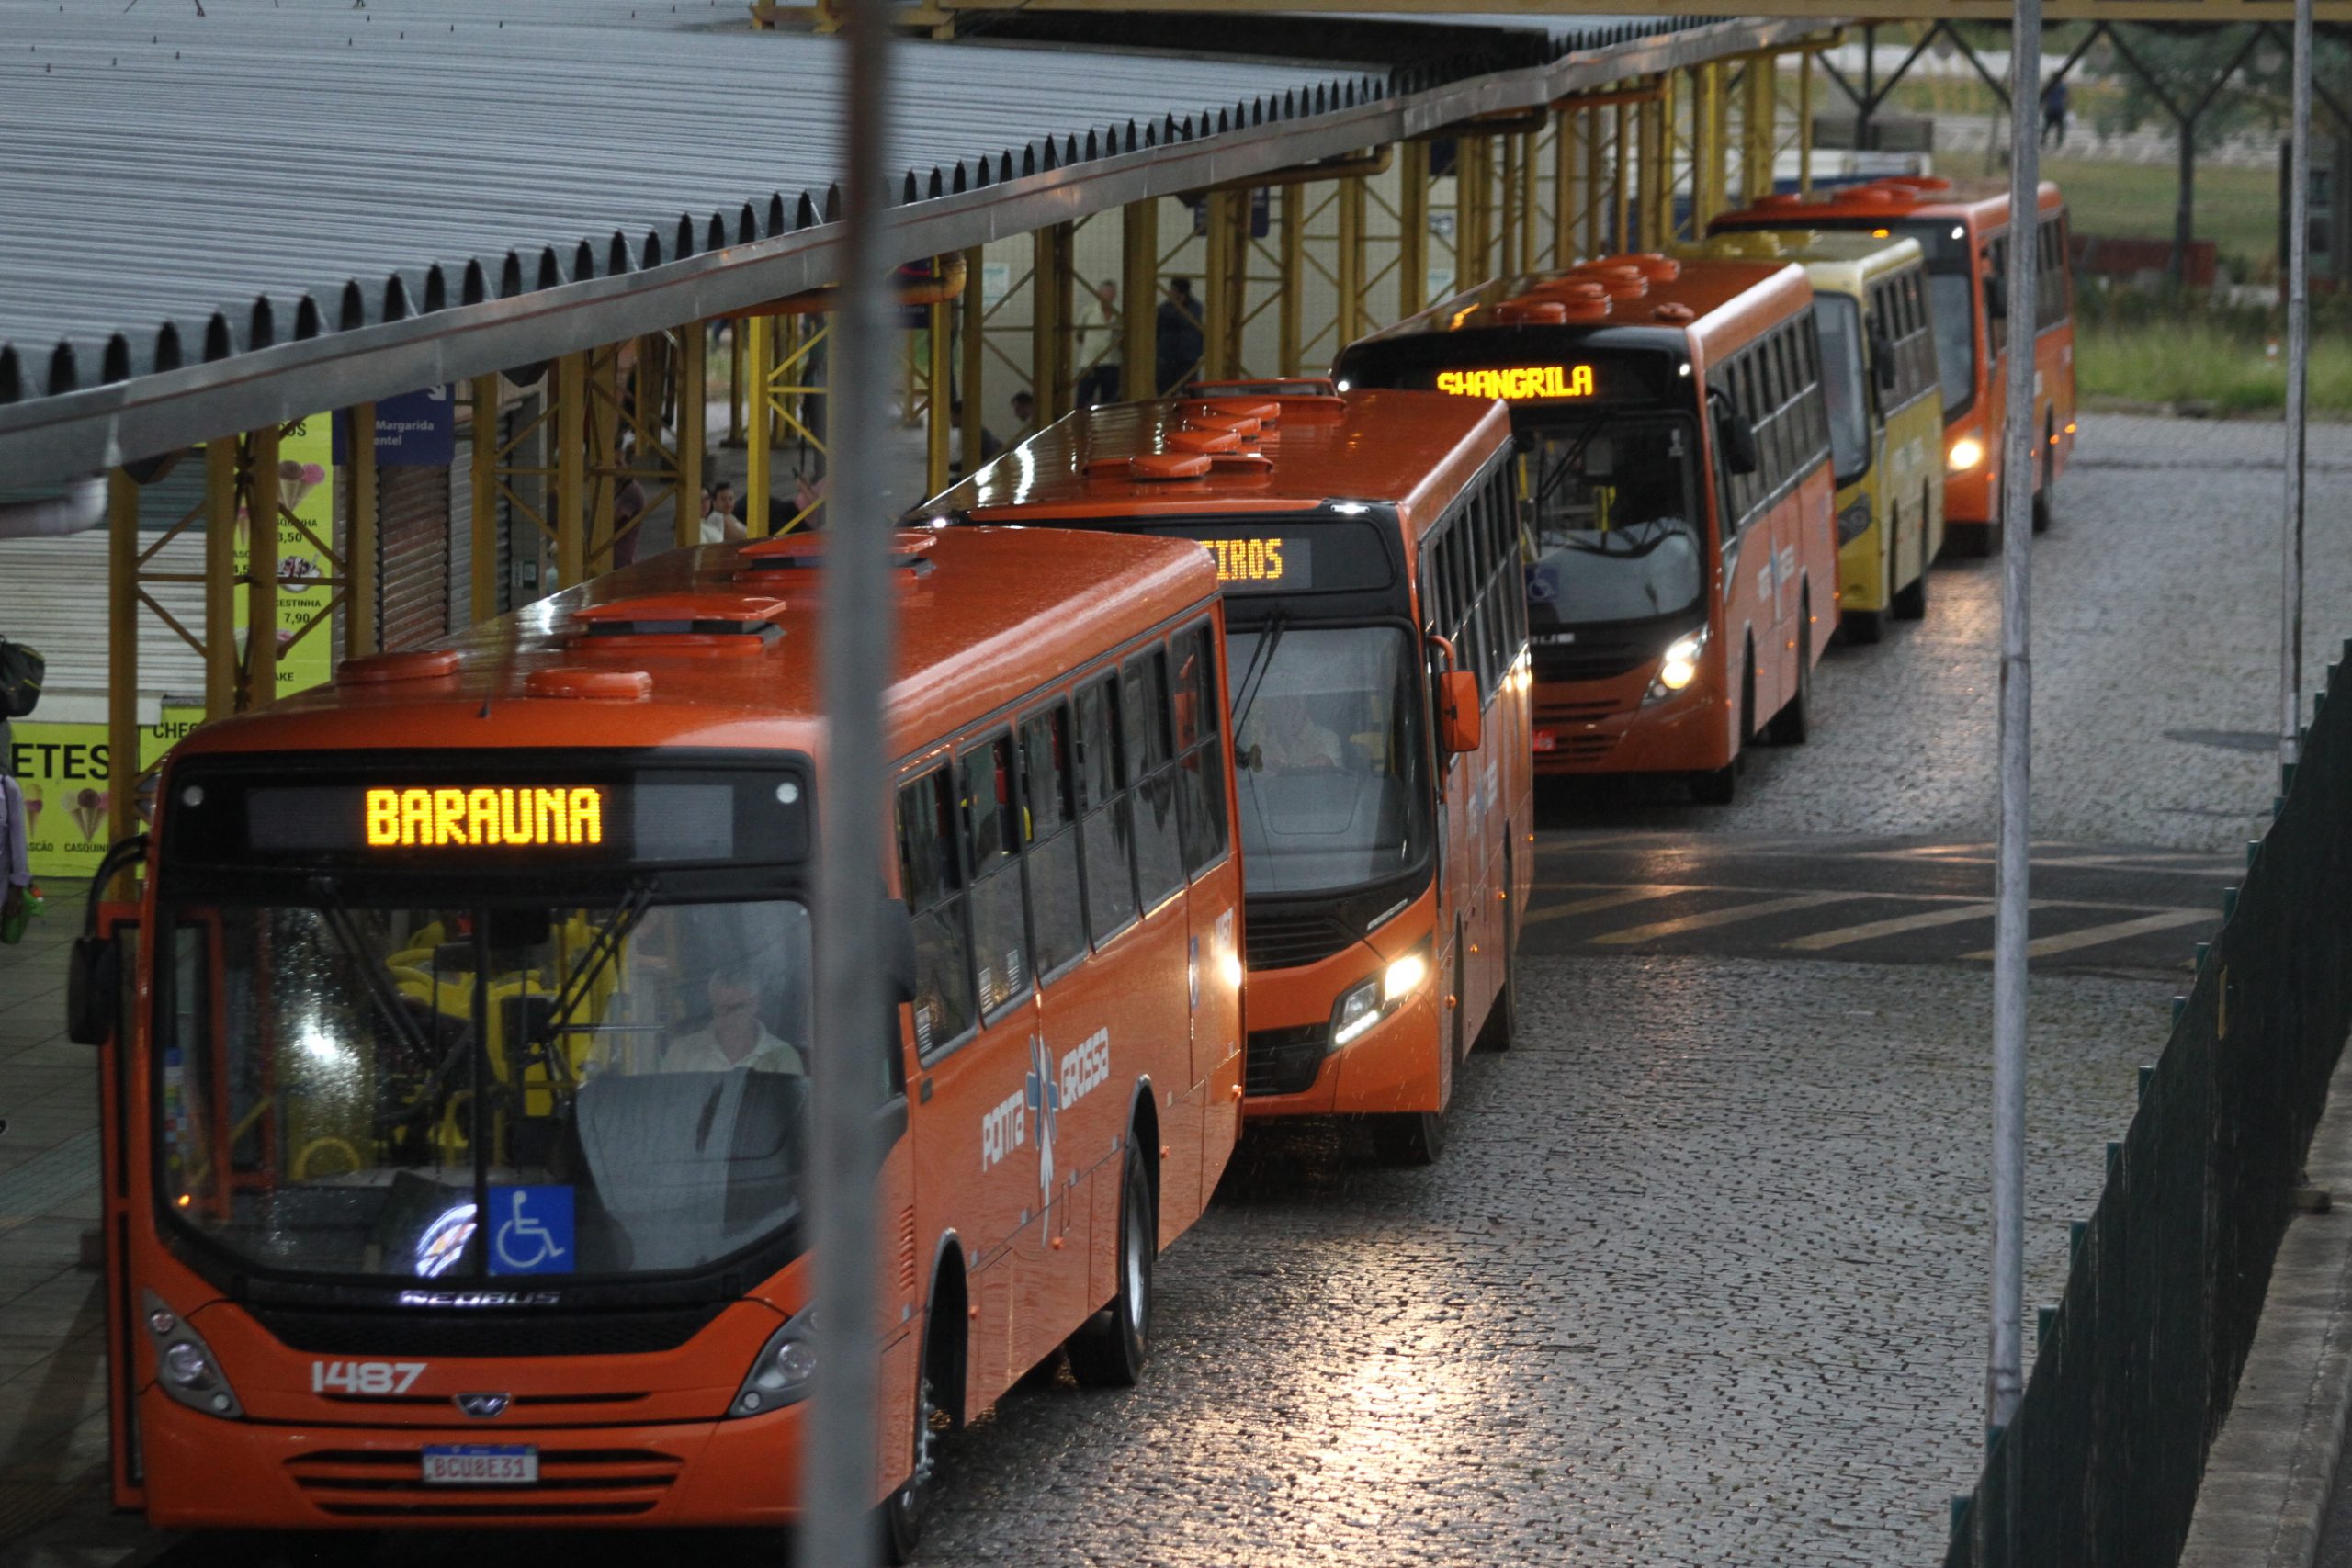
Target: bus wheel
1110 1350
1861 626
902 1515
2041 508
1717 787
1410 1137
1502 1017
1910 602
1794 722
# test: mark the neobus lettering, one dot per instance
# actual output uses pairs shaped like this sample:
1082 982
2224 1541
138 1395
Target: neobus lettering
484 818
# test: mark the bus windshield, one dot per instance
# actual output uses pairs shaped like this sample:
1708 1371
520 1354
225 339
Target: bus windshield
1332 783
1844 384
344 1083
1952 299
1619 536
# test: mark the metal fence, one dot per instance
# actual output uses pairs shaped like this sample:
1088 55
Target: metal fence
2138 1363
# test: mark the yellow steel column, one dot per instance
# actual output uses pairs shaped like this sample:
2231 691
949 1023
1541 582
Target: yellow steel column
1413 230
1349 270
735 385
219 577
122 653
570 504
1507 214
1621 195
938 407
694 398
1760 128
1804 122
261 569
1656 186
1217 361
1567 201
359 538
759 370
1050 319
1472 188
482 412
1708 163
603 453
1139 287
974 345
1290 294
1530 211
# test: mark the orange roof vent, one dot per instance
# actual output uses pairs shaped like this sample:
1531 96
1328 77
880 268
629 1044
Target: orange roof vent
1267 413
1652 264
1579 298
1201 443
1529 312
1620 282
1675 314
1151 468
729 624
382 669
1779 200
594 685
757 561
1923 183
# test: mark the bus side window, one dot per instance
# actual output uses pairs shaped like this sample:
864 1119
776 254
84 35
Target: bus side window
1812 416
1201 760
1160 856
931 875
993 824
1056 910
1108 827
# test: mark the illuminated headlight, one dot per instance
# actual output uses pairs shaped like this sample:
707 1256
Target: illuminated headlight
1521 674
1368 1001
1338 385
1853 523
1966 453
190 1373
1679 666
1229 966
784 1370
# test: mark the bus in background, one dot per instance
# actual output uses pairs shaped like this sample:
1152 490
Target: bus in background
1369 550
457 1139
1963 226
1685 569
1886 423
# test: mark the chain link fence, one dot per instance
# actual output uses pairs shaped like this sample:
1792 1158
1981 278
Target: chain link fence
2137 1364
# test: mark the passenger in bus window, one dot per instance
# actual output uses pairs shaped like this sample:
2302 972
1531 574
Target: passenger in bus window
718 521
737 1035
1283 736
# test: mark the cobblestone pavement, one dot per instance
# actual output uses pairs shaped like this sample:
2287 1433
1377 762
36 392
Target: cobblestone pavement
1701 1278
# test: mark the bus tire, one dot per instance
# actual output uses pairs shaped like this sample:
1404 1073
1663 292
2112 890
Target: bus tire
1109 1351
2042 512
1717 786
898 1521
1795 721
1502 1017
1409 1137
1863 627
1910 603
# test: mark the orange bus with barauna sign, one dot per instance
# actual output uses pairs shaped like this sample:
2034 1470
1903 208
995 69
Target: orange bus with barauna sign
1369 550
457 1119
1964 227
1684 578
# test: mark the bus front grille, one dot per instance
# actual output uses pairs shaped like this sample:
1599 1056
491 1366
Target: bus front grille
579 1483
1285 1061
1282 938
1598 662
421 1333
1575 748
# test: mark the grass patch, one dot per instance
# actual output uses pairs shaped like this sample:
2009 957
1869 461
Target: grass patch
2205 363
2237 209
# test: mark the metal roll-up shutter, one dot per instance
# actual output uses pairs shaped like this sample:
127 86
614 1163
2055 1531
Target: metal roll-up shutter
411 555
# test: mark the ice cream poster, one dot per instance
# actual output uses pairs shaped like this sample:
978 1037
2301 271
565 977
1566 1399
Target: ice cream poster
306 491
62 768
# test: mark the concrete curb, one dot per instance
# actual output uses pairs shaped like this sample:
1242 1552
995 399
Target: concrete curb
2267 1479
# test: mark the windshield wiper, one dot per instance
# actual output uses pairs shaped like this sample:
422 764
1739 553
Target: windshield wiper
1260 663
541 1044
336 916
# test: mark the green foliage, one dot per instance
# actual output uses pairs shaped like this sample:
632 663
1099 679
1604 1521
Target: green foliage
2132 345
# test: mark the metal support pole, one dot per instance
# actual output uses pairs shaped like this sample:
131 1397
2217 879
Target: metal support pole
975 352
735 385
219 577
1711 154
854 1015
1139 287
1656 187
483 411
1049 321
1760 128
694 396
939 371
1570 200
122 654
2299 335
1413 229
759 453
572 468
359 538
1804 123
1529 214
1621 227
1348 267
2004 1373
603 430
1290 294
260 686
1217 357
1473 186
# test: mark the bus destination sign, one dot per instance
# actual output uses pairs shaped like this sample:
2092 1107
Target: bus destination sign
1263 563
1520 383
507 816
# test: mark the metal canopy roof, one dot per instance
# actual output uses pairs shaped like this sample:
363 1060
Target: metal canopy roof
211 222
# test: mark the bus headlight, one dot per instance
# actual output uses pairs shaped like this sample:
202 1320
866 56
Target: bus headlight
1853 523
190 1373
1679 666
784 1370
1368 1001
1966 453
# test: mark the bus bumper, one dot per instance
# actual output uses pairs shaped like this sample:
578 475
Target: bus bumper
1394 1067
1685 733
204 1474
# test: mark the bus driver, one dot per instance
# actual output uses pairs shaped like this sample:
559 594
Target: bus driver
737 1035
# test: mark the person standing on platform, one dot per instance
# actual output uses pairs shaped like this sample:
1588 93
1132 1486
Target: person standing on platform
1099 317
1178 339
2053 112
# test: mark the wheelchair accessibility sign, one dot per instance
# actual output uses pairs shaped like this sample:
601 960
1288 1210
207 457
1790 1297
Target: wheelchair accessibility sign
530 1230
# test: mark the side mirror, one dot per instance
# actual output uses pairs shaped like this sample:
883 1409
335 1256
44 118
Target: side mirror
898 948
1882 361
1997 299
93 988
1738 438
1460 725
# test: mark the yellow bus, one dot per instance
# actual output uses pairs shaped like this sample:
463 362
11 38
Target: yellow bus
1886 410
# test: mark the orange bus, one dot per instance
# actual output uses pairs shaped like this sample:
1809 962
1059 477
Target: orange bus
1964 225
1684 575
456 1121
1368 547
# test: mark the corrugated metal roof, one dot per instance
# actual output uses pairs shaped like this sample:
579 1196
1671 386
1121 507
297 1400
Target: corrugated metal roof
210 220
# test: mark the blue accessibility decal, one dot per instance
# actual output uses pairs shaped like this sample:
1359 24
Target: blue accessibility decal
531 1230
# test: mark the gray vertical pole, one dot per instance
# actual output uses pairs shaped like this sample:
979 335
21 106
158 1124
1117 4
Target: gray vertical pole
856 648
2298 343
2005 1374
